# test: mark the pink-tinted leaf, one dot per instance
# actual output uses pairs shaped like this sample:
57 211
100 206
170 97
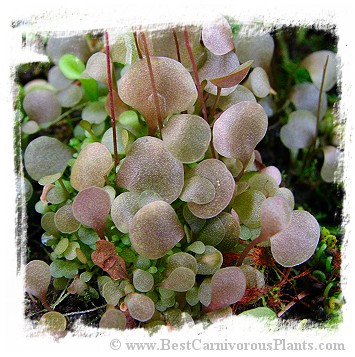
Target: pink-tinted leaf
297 242
275 215
150 166
241 94
37 279
91 207
198 189
245 122
187 137
233 78
92 164
228 287
217 173
274 172
300 131
180 279
175 88
218 66
217 36
42 106
155 229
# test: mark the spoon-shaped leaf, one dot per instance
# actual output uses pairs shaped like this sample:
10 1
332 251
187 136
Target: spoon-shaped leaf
37 279
198 189
254 278
232 232
174 84
46 156
187 137
161 42
70 96
180 279
241 94
57 79
258 82
234 78
245 122
330 164
123 209
114 319
297 242
248 207
228 286
91 207
305 96
53 321
143 281
213 232
155 229
209 261
42 106
217 36
92 164
275 215
300 131
180 260
65 220
140 307
216 67
75 45
223 182
259 48
96 67
315 63
150 166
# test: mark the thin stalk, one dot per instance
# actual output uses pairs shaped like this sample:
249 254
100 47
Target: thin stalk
313 146
60 299
195 72
62 116
60 180
85 311
177 46
249 247
152 81
113 118
212 113
136 42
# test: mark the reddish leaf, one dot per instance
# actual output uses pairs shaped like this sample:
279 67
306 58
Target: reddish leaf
106 258
234 77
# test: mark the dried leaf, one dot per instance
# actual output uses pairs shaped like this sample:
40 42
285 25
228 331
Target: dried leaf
106 258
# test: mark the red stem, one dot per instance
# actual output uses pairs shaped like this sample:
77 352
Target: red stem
138 49
113 119
212 113
194 69
152 81
249 247
177 46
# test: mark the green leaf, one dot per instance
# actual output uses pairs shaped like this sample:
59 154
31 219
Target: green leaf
71 66
90 87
